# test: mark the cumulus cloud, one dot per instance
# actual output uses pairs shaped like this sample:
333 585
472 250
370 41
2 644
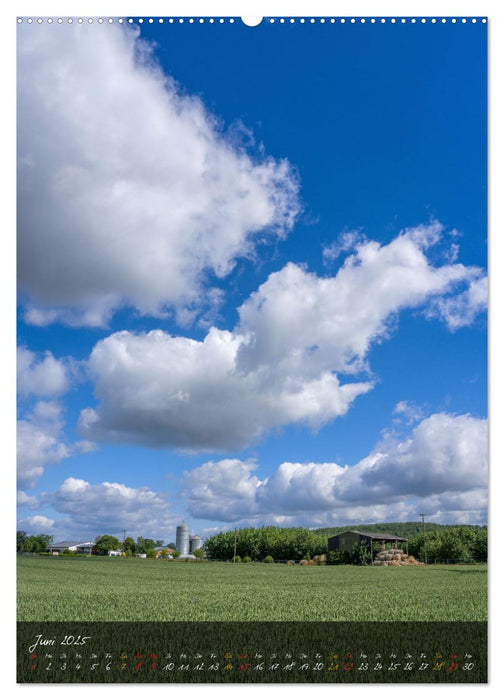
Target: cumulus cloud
461 309
40 443
38 524
40 377
157 390
346 241
110 507
23 499
441 466
129 190
297 354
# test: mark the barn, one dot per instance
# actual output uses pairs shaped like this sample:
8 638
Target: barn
347 540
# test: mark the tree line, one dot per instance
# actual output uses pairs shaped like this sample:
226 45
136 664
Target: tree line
439 543
454 543
32 543
257 543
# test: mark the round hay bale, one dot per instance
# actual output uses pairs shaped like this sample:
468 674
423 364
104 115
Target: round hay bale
303 562
322 558
394 562
388 557
290 563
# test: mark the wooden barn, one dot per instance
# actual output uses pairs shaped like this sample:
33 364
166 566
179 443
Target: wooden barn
347 540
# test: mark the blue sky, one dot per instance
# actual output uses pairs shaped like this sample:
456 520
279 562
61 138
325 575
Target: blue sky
257 294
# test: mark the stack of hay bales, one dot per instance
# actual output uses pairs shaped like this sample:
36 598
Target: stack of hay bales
394 557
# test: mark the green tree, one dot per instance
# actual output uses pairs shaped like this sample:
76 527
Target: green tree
39 543
198 553
143 544
106 543
22 541
129 545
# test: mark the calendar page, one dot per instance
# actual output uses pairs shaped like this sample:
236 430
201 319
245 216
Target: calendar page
252 349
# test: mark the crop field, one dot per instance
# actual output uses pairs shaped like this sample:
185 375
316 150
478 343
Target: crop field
110 589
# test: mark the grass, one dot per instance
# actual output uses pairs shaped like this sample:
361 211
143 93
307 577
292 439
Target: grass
110 589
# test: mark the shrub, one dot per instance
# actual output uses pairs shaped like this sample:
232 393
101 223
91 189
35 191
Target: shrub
360 555
246 560
198 553
236 559
268 559
338 557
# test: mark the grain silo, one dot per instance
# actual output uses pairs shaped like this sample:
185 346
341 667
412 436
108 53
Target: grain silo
182 540
195 542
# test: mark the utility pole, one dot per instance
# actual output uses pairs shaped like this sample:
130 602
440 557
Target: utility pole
234 555
422 515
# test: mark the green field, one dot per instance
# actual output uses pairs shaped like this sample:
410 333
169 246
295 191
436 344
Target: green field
109 589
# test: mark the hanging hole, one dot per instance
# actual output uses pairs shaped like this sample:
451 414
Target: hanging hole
251 21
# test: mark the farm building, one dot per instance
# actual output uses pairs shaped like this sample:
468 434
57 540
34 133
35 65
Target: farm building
77 547
348 540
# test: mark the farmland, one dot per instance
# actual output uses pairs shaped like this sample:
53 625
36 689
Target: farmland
110 589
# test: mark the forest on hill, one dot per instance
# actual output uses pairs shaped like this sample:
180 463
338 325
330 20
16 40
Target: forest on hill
409 529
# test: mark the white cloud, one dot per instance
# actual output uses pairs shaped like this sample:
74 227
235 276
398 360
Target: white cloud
109 507
297 336
331 322
441 467
346 241
40 377
129 191
408 411
23 499
40 443
461 310
38 523
155 389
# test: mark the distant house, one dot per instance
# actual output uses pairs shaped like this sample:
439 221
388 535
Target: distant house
159 552
77 547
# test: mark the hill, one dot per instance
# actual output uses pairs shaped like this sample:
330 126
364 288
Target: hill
409 529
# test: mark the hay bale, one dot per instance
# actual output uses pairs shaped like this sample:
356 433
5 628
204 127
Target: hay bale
312 563
291 563
322 558
394 562
377 562
303 562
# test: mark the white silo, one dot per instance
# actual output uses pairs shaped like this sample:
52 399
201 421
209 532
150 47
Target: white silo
195 542
182 540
